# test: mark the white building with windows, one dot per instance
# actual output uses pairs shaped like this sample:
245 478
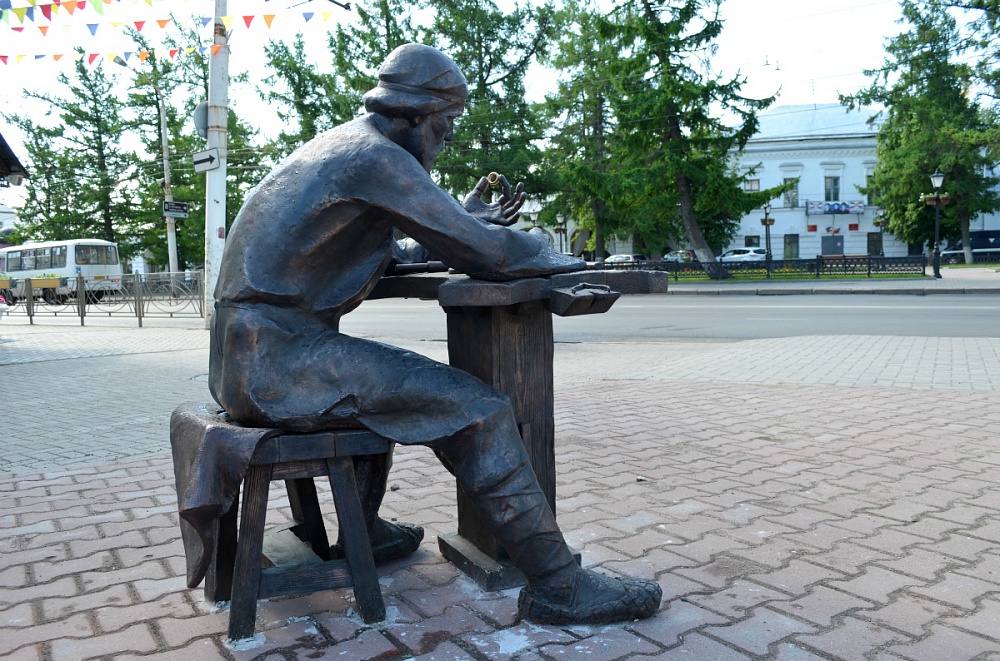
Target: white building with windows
831 151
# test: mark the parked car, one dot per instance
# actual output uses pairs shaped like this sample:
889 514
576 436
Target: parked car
680 256
985 248
743 255
625 259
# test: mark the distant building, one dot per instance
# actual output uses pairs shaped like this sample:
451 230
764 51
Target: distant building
7 218
12 173
831 151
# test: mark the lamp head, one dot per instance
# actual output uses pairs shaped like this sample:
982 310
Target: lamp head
937 178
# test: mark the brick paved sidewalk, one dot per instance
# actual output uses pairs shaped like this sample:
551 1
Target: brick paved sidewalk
783 522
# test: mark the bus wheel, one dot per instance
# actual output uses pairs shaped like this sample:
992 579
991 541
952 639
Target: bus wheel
52 298
954 259
94 296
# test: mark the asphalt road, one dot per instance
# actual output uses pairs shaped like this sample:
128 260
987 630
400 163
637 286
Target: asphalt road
661 317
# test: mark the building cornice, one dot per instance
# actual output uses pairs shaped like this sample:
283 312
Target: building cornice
810 154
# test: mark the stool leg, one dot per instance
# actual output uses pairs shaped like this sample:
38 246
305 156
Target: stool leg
219 577
357 547
246 576
305 510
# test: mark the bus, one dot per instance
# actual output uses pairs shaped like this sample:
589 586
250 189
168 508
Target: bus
96 260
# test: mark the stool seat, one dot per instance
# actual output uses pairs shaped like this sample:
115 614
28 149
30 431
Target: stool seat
235 570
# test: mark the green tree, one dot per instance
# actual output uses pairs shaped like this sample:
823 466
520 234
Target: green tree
580 110
500 127
154 83
81 192
930 123
359 49
984 38
53 204
676 124
179 85
309 101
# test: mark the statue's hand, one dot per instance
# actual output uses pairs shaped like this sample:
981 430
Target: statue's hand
504 211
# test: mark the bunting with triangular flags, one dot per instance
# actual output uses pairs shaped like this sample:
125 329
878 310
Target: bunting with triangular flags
41 15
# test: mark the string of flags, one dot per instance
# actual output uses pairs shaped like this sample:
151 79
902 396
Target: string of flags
38 16
91 58
47 10
25 15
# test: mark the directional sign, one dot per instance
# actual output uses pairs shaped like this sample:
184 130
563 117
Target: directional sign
175 209
206 160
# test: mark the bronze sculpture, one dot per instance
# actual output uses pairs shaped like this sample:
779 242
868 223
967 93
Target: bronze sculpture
308 246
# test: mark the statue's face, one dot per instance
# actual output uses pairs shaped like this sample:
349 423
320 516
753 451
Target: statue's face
429 135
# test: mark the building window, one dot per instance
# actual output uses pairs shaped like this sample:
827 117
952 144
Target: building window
751 185
792 194
752 241
791 246
832 187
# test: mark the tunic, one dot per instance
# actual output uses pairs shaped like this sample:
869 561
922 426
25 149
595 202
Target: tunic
310 243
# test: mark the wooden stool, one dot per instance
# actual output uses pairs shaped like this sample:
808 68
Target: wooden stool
297 458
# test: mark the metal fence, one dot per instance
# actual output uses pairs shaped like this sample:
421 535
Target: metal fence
856 266
137 295
182 294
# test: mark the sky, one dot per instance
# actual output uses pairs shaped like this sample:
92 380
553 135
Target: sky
806 51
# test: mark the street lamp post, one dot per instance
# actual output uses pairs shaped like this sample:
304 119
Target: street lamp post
936 180
767 221
880 222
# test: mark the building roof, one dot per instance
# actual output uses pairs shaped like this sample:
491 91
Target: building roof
9 165
814 121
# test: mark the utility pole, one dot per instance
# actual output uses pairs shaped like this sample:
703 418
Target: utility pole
168 193
215 180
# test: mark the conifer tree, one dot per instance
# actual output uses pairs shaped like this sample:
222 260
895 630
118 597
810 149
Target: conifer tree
930 122
667 130
499 130
77 155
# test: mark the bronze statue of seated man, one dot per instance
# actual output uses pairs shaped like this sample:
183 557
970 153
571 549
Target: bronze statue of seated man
308 246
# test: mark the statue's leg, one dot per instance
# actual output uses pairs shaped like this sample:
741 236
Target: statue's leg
411 399
390 541
491 465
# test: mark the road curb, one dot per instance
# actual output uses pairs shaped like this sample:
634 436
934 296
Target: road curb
786 291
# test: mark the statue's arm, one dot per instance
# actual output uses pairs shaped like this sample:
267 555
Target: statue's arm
425 212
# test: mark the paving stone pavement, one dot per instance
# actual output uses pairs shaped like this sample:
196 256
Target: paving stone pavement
807 510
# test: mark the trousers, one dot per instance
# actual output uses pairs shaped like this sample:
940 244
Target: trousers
274 367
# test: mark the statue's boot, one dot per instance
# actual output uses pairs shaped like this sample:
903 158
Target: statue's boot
390 541
497 475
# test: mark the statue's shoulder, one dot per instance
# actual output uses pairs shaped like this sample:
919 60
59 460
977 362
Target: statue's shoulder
357 133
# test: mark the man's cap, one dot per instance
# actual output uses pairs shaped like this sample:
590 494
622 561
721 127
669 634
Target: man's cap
417 80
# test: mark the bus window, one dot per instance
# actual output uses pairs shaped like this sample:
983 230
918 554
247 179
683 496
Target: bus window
96 255
27 260
43 258
59 257
14 261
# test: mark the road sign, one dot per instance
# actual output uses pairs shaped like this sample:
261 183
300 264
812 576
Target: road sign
175 209
206 160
